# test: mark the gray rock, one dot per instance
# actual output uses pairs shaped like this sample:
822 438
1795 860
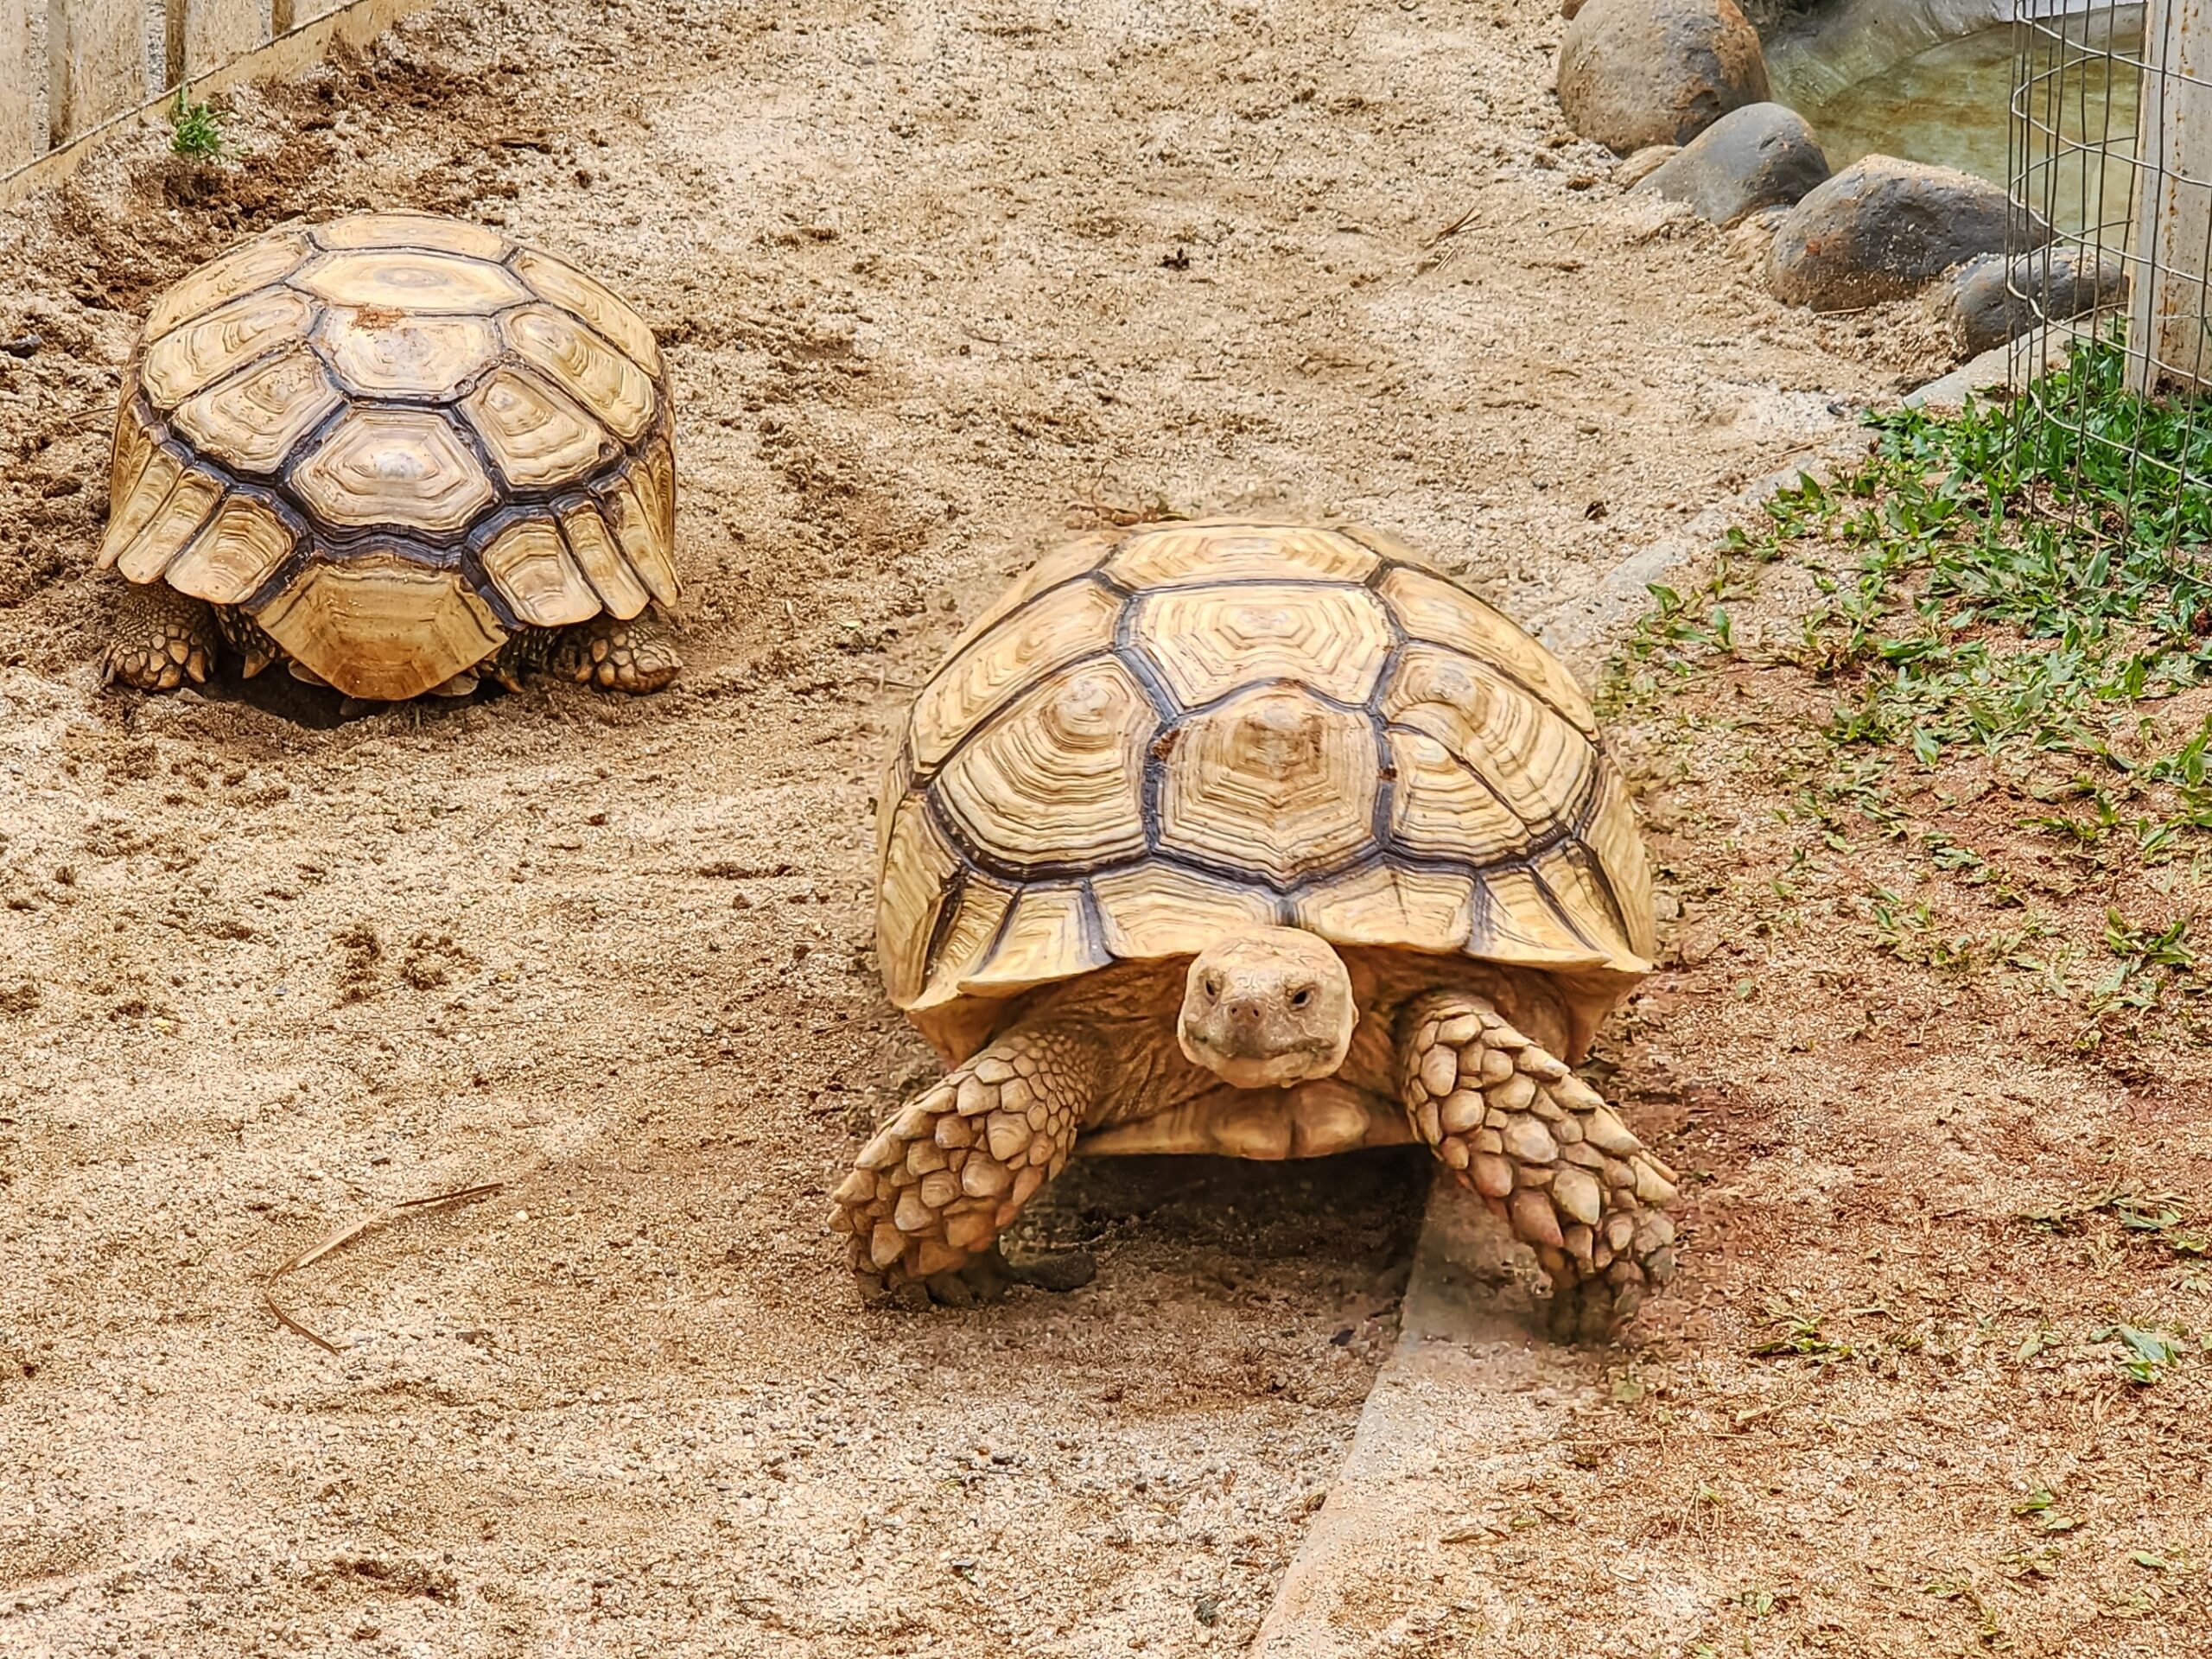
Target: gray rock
1881 229
1633 72
1993 300
1761 156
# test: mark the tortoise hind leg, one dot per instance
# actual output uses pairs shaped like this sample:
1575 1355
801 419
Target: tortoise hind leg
633 656
162 638
1545 1152
256 650
931 1192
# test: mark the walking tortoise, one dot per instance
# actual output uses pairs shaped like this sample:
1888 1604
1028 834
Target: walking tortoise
1266 840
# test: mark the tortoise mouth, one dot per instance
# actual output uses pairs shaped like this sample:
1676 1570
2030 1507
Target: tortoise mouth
1266 1071
1245 1065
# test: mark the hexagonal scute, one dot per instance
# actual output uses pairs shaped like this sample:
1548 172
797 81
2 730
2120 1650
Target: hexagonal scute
251 421
264 260
1523 751
597 376
1171 555
430 233
398 466
537 437
1276 782
403 280
597 304
1069 622
1433 608
201 352
1440 806
1058 777
1209 641
376 353
382 627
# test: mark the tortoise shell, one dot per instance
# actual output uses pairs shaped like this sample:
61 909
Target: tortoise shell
394 440
1159 735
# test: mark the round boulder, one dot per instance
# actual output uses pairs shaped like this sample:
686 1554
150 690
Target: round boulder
1993 299
1633 72
1761 156
1881 229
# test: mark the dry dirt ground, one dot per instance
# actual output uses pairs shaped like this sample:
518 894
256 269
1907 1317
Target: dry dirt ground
938 282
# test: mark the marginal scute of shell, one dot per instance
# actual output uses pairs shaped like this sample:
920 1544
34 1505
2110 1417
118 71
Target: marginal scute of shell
529 563
380 627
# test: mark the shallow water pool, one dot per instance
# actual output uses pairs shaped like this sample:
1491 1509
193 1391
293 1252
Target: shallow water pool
1951 104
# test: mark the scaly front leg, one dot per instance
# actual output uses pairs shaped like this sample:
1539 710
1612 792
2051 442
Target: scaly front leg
1545 1152
952 1170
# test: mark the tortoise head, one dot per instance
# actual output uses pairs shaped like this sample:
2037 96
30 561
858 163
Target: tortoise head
1268 1008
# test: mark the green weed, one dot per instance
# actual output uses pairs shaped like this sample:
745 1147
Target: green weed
2145 1355
196 129
2013 589
1797 1331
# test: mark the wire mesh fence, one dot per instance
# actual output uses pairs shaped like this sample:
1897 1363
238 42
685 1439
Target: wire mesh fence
2111 240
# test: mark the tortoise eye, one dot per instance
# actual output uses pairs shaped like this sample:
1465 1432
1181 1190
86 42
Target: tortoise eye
1301 996
1213 990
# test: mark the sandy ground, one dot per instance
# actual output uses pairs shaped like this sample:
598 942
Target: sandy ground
938 282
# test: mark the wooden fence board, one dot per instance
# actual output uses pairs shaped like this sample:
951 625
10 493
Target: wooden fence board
22 124
215 31
96 62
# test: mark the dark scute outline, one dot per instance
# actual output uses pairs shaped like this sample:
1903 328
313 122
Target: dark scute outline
1568 828
312 541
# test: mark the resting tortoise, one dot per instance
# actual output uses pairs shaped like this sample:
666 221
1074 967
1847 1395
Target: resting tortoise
397 452
1267 840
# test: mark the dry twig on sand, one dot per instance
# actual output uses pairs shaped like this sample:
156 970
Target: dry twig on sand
347 1234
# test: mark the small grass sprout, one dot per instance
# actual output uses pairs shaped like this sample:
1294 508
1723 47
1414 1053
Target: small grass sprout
196 129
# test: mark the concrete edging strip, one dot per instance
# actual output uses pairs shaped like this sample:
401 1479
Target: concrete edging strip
1473 1389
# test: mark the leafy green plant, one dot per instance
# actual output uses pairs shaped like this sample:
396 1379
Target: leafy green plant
2157 1218
1797 1331
2021 579
196 129
2145 1355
